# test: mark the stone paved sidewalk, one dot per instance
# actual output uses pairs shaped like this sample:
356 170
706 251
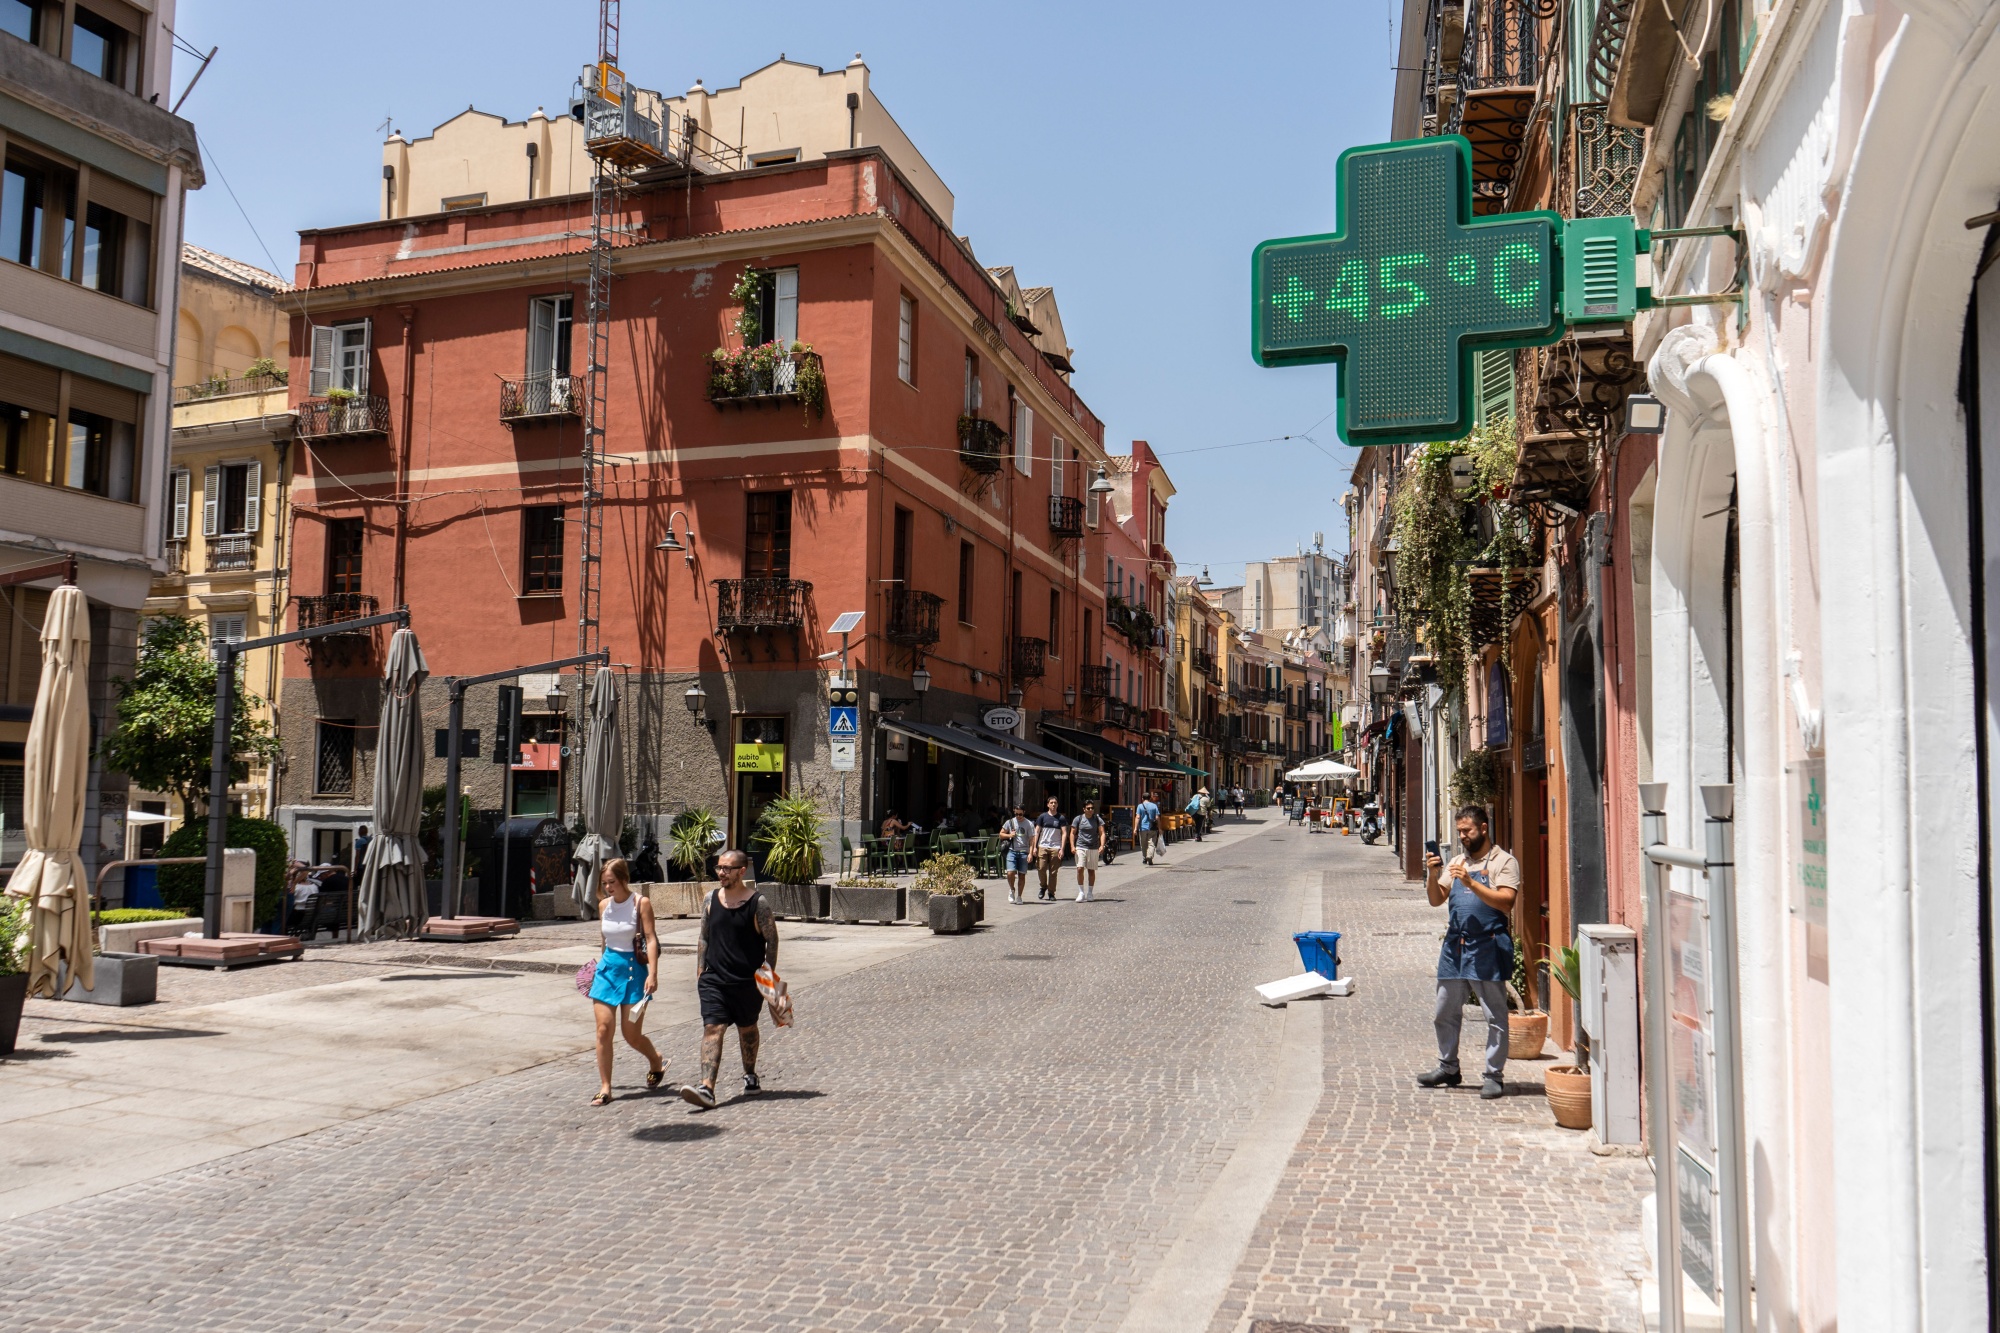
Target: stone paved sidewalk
1404 1209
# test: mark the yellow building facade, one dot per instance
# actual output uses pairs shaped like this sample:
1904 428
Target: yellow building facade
228 479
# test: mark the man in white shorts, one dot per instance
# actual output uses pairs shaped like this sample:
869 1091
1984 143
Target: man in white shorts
1086 839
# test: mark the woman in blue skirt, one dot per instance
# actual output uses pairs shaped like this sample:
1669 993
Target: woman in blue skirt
626 975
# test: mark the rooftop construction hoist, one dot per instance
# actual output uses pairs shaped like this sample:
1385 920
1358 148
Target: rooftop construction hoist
627 130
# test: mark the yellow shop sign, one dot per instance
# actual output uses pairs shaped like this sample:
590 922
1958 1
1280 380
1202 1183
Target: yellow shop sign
760 758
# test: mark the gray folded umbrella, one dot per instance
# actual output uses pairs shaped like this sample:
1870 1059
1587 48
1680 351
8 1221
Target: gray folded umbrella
392 873
603 791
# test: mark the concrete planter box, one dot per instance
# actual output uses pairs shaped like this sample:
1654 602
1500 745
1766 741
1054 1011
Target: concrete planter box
950 914
122 979
882 905
681 898
808 902
916 905
126 938
541 907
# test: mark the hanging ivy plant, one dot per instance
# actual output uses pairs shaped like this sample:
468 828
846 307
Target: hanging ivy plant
746 293
1438 543
810 383
1473 782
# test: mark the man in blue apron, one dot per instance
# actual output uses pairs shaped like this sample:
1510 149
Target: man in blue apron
1478 954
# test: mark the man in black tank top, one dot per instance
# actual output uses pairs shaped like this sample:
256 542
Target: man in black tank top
738 935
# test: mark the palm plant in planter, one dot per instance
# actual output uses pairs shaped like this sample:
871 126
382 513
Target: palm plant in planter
789 833
1568 1086
13 970
691 841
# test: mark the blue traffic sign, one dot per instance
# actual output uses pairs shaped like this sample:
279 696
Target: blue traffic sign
843 721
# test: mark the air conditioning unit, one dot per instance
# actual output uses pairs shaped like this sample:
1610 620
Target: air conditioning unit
1609 968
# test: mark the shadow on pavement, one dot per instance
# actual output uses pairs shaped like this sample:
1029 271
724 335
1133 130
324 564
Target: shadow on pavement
778 1095
691 1131
126 1034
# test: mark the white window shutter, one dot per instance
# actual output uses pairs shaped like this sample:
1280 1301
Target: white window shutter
322 360
211 488
785 309
367 346
253 495
1056 465
181 480
1024 439
541 336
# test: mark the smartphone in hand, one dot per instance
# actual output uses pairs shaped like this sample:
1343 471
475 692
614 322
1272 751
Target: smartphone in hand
1431 846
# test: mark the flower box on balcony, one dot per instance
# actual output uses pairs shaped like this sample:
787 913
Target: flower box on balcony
343 416
760 604
981 444
535 398
767 375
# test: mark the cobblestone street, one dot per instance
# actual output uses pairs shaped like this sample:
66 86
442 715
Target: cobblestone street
1078 1118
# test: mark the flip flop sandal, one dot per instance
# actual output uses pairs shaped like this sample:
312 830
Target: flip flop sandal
601 1099
653 1077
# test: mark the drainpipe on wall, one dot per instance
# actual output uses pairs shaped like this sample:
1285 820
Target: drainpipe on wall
402 495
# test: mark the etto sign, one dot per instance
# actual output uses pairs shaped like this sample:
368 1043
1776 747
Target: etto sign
1407 290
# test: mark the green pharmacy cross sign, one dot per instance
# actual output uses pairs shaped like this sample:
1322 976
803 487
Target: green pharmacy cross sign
1407 290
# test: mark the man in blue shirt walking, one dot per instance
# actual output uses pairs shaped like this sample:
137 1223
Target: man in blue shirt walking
1146 823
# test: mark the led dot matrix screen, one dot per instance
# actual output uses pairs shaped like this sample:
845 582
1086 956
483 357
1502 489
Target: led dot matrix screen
1406 291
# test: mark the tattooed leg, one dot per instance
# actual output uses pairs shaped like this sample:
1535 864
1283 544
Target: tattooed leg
711 1054
749 1038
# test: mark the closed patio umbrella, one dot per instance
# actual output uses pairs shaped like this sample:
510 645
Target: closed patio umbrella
392 873
51 876
603 791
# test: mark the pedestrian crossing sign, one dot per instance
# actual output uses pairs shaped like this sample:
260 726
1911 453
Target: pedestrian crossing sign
843 721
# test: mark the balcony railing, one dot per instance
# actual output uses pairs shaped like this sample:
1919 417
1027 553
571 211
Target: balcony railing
1065 516
1202 660
981 444
1030 657
1602 167
760 376
913 617
225 386
539 397
177 557
343 418
332 608
1095 682
760 604
231 553
1495 95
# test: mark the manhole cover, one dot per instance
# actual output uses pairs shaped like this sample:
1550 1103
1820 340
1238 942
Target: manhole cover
1029 957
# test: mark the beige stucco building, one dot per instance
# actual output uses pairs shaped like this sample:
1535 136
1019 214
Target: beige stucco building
788 111
228 478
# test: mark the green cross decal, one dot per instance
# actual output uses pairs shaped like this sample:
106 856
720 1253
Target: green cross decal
1406 291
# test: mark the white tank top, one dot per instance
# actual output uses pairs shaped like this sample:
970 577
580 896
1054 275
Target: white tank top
619 921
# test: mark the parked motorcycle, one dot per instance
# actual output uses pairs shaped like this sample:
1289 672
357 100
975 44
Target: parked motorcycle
1371 823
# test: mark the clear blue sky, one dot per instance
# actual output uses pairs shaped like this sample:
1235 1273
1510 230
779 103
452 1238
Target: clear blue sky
1129 156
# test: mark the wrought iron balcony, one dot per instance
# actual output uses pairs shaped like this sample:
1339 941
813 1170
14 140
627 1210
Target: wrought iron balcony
760 376
332 608
1065 516
1030 657
540 397
760 604
1095 682
1601 169
982 444
227 554
1495 93
343 418
1202 661
177 558
913 617
1572 403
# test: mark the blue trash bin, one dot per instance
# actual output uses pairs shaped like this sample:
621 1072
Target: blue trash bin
1319 950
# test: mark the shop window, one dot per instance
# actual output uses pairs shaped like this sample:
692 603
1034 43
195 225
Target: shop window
344 537
541 550
767 544
333 769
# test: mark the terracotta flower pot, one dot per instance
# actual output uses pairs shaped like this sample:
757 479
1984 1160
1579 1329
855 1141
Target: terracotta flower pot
1526 1032
1568 1090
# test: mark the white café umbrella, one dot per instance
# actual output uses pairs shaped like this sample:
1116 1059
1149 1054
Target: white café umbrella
1320 770
392 873
603 791
51 877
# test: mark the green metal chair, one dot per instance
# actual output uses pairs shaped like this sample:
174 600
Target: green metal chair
848 856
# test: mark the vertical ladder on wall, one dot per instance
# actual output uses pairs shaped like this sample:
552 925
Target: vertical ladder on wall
604 195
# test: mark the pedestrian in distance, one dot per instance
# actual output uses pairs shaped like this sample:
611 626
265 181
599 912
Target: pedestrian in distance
1086 835
1019 833
1478 888
1051 836
1193 811
628 971
361 841
739 934
1146 823
1239 802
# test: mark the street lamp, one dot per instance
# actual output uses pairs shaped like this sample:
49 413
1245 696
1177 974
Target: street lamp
1378 680
1069 697
1014 696
1101 486
920 680
1645 415
670 543
696 700
1204 581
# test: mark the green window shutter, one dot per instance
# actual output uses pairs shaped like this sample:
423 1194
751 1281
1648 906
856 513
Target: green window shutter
1494 372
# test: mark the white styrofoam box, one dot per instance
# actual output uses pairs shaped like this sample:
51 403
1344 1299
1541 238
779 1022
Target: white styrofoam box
1300 987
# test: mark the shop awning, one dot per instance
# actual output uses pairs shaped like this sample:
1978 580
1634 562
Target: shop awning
962 741
1117 754
1082 771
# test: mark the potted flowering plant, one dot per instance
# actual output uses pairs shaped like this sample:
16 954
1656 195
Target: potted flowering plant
945 895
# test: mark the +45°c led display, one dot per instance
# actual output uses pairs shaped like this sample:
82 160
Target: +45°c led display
1406 291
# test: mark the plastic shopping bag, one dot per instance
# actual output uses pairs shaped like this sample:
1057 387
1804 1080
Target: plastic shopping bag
776 994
